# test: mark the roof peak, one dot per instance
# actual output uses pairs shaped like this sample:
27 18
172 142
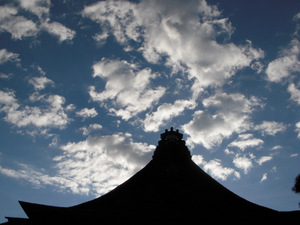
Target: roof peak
171 135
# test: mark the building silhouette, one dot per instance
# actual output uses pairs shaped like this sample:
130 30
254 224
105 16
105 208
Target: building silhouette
170 188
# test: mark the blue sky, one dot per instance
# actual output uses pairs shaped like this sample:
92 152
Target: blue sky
86 88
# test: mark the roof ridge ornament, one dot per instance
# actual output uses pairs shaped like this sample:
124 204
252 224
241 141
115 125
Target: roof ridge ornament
171 135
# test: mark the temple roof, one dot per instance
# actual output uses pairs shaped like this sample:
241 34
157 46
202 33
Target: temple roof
170 187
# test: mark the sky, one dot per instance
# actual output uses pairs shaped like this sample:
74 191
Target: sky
86 88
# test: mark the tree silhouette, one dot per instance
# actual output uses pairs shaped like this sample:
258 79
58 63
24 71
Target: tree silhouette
296 187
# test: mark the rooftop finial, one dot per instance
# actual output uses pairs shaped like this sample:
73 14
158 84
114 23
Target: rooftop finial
171 135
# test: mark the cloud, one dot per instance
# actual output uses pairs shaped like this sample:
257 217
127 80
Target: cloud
21 27
243 162
39 83
295 93
215 168
232 115
297 125
6 56
264 177
270 127
49 114
246 140
165 112
87 113
285 65
18 26
40 8
59 30
90 128
182 36
128 90
93 166
264 159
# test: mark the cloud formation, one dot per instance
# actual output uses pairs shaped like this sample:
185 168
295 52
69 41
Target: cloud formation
232 115
185 34
93 166
13 21
128 90
50 114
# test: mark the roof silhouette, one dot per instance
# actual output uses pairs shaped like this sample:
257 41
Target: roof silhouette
171 187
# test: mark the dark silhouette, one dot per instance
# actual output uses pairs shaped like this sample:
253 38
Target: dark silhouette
296 187
170 188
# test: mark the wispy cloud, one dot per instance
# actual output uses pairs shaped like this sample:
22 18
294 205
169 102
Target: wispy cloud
128 90
50 114
232 115
87 113
20 27
93 166
215 168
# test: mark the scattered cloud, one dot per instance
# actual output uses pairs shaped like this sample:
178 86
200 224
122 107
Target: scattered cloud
128 90
294 155
298 129
295 93
87 113
184 34
215 168
93 166
39 8
50 113
246 140
243 162
264 159
286 65
165 112
232 115
270 127
276 147
264 177
92 127
59 30
39 83
6 56
21 27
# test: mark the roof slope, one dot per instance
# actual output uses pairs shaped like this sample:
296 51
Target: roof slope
170 187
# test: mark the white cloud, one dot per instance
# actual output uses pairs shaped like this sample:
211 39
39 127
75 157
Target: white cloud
297 125
232 115
246 140
90 128
59 30
87 113
243 162
38 7
295 93
20 27
264 177
127 91
276 147
92 166
6 56
215 168
264 159
50 113
294 155
286 65
39 83
17 26
270 127
165 112
185 34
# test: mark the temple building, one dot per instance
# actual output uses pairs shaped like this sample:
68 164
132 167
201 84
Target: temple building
170 188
